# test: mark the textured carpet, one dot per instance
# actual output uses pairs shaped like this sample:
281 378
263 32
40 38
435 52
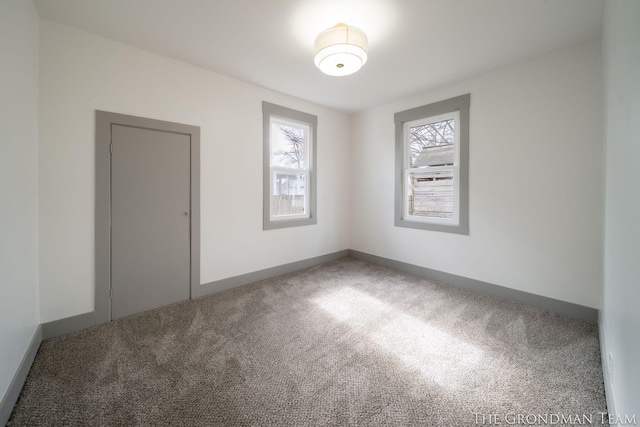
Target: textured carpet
346 342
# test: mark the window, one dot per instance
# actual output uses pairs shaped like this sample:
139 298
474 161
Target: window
432 166
289 179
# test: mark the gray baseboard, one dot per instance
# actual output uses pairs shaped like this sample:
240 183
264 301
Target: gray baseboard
86 320
267 273
608 391
71 324
588 314
68 325
13 392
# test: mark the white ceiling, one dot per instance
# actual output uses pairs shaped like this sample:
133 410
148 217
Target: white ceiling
414 45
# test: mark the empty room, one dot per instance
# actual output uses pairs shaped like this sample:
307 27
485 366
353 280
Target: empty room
319 212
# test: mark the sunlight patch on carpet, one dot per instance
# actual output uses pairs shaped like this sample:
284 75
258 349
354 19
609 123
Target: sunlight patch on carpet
434 353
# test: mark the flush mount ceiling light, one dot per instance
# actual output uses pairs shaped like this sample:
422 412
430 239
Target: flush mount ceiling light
341 50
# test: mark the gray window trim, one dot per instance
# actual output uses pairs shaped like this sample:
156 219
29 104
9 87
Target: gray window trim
461 104
272 110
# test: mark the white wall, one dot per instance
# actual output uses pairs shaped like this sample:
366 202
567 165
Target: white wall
18 184
80 73
536 191
621 299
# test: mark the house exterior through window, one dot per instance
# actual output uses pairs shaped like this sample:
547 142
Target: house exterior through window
432 150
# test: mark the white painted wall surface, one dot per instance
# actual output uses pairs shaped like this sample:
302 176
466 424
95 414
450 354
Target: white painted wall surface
80 73
536 190
18 184
621 299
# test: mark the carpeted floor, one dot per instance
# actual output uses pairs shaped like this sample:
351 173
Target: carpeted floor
346 342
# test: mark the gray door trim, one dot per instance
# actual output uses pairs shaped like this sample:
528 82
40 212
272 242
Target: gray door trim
104 121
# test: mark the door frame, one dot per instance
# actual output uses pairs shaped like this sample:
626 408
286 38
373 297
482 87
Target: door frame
104 122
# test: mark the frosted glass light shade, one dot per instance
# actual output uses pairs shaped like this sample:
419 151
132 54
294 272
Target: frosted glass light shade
341 50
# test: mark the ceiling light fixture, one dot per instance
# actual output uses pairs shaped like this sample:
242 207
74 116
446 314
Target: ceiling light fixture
341 50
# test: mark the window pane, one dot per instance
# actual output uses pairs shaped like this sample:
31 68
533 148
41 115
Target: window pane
288 196
432 166
288 145
432 144
431 194
289 167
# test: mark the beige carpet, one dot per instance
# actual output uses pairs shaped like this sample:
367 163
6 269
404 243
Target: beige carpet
343 343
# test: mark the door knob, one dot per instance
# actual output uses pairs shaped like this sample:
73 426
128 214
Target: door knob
186 213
